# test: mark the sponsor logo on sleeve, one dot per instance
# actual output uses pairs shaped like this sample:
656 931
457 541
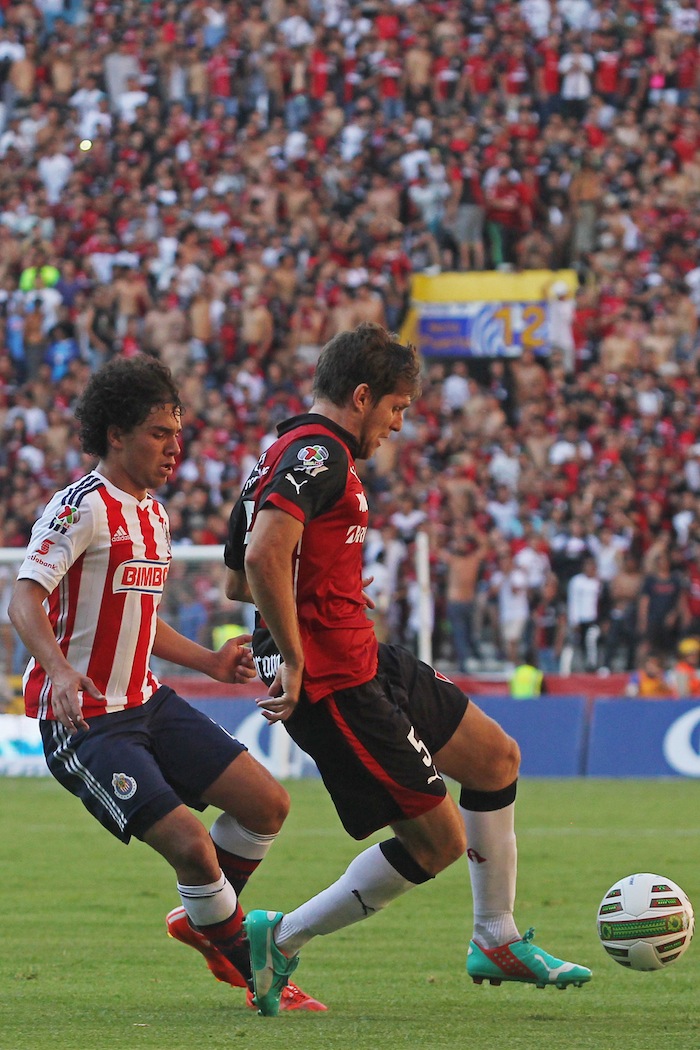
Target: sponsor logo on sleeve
146 577
40 553
64 518
312 460
312 455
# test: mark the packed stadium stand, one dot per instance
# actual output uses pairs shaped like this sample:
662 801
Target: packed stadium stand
226 185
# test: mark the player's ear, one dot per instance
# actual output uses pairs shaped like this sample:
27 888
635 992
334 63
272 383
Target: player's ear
361 397
114 436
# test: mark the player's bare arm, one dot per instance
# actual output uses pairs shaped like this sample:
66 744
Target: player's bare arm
268 567
236 586
29 619
233 662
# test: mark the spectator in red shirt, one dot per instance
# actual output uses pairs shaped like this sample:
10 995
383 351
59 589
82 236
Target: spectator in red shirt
391 81
504 219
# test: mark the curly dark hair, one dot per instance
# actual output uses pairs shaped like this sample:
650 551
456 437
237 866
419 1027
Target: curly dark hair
123 393
367 354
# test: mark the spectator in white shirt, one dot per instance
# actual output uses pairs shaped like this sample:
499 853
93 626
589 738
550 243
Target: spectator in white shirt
583 597
297 32
509 584
131 100
455 389
54 170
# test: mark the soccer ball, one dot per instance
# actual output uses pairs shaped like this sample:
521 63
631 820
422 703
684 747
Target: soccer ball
645 922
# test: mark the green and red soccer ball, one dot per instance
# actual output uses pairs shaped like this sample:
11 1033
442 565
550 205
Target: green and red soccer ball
645 922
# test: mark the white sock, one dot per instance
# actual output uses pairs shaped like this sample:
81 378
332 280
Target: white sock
493 864
227 833
207 905
368 885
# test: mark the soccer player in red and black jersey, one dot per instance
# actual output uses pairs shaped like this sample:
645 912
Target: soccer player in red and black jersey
134 752
382 726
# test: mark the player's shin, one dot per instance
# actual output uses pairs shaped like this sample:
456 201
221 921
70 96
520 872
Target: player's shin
239 850
372 880
489 820
213 910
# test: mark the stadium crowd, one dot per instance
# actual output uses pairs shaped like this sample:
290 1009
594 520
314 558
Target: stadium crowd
226 185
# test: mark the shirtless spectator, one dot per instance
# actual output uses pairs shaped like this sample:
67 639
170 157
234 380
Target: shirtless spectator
296 195
307 327
131 294
383 197
464 559
369 305
529 377
618 351
163 323
418 66
257 325
343 314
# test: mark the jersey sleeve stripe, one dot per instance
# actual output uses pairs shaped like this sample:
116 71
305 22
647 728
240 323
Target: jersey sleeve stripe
286 505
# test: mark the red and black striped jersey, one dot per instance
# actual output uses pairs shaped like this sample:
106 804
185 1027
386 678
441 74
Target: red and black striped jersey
309 472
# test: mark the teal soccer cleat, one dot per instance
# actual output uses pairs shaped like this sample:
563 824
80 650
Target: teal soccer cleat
523 961
271 969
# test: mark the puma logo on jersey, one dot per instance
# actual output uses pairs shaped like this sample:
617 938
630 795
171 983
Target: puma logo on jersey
293 481
148 577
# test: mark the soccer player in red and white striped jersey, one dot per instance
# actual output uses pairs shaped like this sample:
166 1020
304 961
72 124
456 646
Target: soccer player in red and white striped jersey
135 753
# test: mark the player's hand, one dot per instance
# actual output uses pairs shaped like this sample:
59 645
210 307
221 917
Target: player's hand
234 661
66 699
369 602
282 696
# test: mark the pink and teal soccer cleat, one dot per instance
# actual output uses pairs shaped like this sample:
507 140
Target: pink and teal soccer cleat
292 997
523 961
271 968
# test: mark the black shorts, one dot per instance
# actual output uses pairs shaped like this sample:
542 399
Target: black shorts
133 767
373 744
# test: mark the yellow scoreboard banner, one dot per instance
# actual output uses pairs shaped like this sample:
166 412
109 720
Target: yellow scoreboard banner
486 314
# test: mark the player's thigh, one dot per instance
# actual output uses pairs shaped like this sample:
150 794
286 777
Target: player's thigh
480 755
248 792
190 748
207 766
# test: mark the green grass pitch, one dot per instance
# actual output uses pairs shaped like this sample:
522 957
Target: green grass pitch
85 963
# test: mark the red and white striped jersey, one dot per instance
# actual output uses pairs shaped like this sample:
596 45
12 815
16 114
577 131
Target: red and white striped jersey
103 556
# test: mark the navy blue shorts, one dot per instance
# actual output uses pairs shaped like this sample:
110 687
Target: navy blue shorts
373 744
133 767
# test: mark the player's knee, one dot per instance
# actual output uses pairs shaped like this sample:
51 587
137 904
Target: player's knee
277 810
271 810
456 846
194 854
444 849
445 852
509 760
